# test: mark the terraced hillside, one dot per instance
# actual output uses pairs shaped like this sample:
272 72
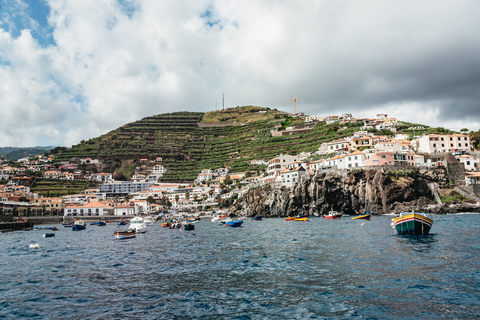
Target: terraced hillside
191 141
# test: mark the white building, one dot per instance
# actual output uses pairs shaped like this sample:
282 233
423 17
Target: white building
124 210
291 177
95 208
353 160
276 165
434 143
158 168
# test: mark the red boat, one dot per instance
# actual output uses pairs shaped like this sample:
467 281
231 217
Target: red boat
333 215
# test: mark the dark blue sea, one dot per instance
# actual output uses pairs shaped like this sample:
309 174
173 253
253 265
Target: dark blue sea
270 269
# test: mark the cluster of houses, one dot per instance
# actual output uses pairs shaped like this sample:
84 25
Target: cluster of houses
143 194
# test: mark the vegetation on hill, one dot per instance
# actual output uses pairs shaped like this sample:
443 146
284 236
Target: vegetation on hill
191 141
57 188
14 154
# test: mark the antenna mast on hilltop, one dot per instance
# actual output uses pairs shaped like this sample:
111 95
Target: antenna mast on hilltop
295 99
223 101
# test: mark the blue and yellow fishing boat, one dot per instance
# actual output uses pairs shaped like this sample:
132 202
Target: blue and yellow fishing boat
412 223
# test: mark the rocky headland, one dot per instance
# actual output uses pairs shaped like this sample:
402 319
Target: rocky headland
355 192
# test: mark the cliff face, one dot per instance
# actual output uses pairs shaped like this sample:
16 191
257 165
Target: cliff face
351 193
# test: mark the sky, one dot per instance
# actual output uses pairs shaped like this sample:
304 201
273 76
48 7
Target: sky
71 70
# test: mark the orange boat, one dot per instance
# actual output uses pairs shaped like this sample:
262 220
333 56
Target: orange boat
166 224
290 218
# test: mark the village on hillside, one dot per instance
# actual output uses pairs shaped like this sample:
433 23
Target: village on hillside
219 187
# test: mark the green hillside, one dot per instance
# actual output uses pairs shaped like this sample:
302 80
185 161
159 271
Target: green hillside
191 141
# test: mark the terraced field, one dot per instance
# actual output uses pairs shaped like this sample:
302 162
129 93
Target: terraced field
186 148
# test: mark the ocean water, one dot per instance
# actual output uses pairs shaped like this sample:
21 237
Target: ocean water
270 269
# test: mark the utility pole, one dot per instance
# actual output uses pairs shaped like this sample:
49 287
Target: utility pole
223 101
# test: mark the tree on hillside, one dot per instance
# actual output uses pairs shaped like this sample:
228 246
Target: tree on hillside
464 130
150 199
475 139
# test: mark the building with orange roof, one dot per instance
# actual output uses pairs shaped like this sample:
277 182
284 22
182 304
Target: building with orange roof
290 177
94 208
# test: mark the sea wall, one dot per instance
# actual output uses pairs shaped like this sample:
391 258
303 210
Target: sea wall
353 192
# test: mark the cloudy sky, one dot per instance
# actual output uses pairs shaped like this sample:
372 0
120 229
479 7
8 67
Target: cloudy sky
75 69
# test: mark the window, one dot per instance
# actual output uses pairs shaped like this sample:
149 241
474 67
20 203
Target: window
384 157
434 145
443 145
356 158
468 163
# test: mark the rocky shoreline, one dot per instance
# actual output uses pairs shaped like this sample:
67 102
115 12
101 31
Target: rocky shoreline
355 192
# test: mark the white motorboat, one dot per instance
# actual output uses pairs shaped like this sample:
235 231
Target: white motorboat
215 219
138 225
148 220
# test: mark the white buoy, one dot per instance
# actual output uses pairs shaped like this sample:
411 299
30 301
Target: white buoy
34 246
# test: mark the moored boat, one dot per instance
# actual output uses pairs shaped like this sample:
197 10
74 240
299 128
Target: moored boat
124 234
188 226
166 224
138 225
49 235
363 216
99 223
148 220
412 223
257 218
234 223
79 225
301 218
290 218
333 215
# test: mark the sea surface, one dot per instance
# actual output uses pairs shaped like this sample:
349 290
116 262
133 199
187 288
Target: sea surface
270 269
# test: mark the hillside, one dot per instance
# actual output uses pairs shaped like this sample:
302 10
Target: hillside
13 153
191 141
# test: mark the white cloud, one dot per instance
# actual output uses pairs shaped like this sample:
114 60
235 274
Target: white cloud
112 64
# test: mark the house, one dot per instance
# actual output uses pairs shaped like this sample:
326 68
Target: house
95 208
158 168
468 161
354 160
101 176
276 165
50 204
50 174
380 158
404 158
360 142
436 143
337 145
290 177
124 210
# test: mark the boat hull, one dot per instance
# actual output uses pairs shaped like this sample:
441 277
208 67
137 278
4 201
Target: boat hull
77 227
301 219
290 219
413 224
332 217
234 224
124 235
362 217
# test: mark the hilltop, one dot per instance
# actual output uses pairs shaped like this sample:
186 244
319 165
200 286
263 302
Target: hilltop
15 153
191 141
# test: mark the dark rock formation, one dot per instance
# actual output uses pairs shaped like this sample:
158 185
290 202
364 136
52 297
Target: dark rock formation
354 192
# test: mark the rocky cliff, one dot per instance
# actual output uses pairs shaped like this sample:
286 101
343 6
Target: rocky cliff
353 192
